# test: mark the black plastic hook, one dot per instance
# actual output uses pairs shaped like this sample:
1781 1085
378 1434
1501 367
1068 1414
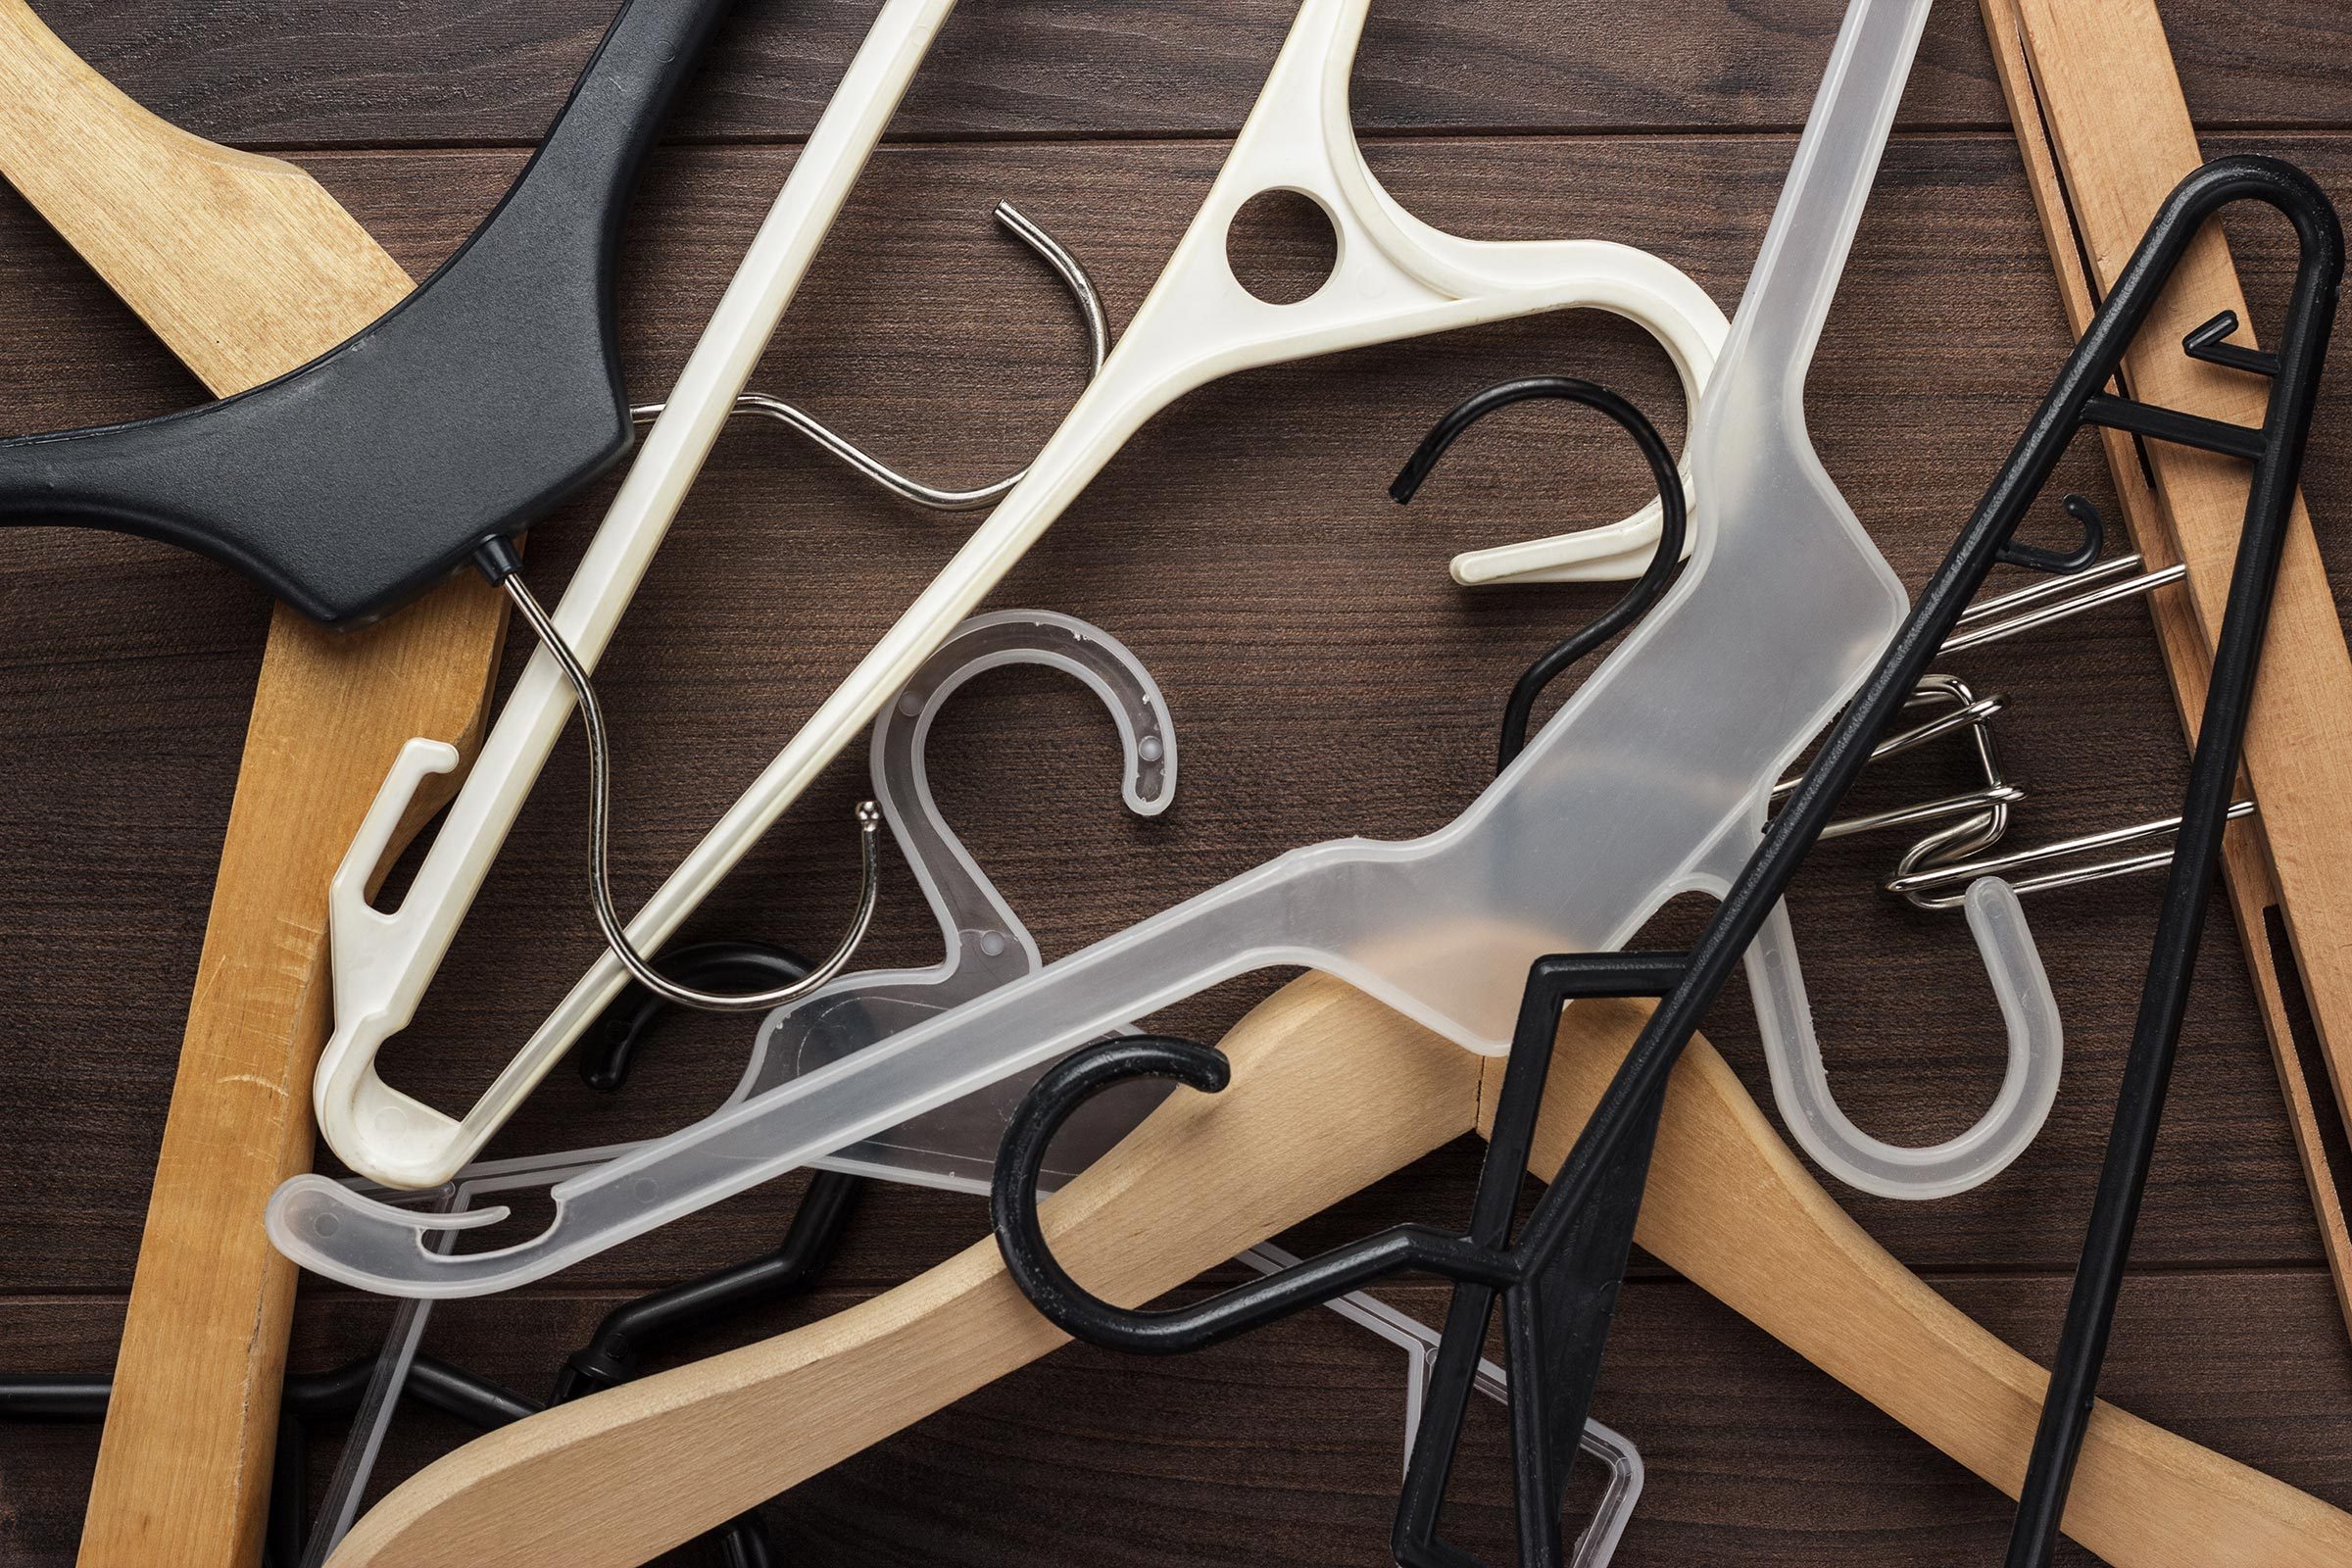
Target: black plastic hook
2094 540
1673 525
2211 343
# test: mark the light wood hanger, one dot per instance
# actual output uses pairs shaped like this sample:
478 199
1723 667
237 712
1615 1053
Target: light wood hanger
2104 127
246 268
1331 1092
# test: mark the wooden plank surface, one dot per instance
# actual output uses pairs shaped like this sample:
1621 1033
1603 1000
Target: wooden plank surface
312 73
1326 679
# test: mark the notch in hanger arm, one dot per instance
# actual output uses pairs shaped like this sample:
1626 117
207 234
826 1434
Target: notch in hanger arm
609 1483
466 413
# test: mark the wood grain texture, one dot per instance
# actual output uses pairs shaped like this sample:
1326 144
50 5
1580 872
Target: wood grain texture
317 73
1329 1090
2303 660
247 269
1283 1446
1325 678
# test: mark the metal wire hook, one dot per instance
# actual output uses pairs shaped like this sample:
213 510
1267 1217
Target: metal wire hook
1074 277
600 817
1984 809
503 567
1926 885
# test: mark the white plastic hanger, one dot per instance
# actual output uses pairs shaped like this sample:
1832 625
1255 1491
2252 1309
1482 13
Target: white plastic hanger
1394 277
987 947
1653 780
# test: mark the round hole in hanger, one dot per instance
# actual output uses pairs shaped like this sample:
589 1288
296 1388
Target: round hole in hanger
1282 246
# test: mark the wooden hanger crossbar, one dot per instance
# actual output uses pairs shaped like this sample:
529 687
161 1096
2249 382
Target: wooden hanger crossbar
1332 1092
245 268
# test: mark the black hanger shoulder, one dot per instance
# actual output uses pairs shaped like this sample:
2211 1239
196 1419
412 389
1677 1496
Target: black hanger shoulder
467 413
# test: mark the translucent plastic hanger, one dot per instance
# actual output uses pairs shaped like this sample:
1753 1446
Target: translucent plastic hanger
986 943
1394 277
1652 781
987 946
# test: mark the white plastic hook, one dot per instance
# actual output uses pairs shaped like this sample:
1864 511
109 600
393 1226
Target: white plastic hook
1800 1081
1394 277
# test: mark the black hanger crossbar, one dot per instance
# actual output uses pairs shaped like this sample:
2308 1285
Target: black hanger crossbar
463 415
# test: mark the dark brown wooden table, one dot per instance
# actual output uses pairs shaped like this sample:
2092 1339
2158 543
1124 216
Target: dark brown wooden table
1325 675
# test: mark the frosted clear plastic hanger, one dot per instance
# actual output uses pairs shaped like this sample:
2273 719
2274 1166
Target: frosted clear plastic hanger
1394 277
986 943
987 946
1652 781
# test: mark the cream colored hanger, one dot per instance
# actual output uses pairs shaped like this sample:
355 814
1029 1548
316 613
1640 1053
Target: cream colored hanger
1394 277
1331 1092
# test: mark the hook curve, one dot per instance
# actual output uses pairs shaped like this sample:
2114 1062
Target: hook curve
984 942
600 821
499 562
1664 560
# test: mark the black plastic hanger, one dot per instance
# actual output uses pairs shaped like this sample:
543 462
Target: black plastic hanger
468 412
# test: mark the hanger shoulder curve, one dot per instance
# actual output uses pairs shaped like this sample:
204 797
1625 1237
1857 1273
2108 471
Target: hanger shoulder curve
1722 1177
1332 1091
257 268
1342 1093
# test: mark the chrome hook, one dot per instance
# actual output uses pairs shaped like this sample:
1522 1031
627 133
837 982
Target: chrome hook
499 562
1074 277
600 818
1928 886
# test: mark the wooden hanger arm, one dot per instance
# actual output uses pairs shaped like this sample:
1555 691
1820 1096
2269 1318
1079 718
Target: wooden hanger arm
150 207
1731 1208
246 269
1340 1096
1330 1091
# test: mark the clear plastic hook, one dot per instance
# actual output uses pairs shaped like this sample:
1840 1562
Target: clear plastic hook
986 945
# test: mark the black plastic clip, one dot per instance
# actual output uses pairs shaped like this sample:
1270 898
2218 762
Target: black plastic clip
2094 539
2210 344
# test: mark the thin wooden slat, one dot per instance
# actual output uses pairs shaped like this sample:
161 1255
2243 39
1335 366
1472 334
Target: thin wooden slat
246 268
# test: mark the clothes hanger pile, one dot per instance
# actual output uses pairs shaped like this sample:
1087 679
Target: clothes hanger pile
1554 1278
1762 625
